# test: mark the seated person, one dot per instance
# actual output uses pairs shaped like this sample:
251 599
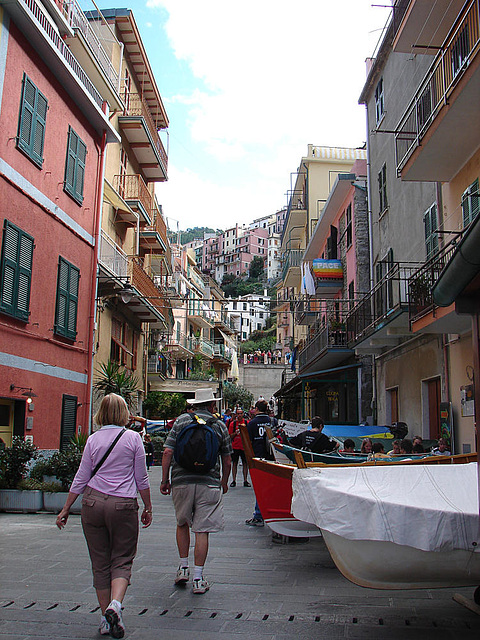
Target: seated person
406 447
313 439
366 446
348 446
379 451
396 448
418 448
441 450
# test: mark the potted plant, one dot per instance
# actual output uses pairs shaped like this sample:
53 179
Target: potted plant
14 462
56 475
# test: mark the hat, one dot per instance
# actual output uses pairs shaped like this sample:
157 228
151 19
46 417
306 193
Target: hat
204 395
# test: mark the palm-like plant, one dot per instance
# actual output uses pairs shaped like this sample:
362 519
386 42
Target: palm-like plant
112 379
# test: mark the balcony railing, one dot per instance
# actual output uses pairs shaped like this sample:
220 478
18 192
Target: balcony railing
78 20
203 346
146 286
387 297
112 257
135 105
329 337
182 340
420 285
133 187
220 351
292 258
52 35
433 93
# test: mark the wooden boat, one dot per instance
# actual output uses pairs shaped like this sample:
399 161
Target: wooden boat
399 538
334 457
272 482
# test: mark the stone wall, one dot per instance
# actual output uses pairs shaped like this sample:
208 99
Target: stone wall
261 379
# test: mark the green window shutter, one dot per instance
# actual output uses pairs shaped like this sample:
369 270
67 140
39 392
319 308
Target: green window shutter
32 121
69 420
474 201
67 299
16 271
75 166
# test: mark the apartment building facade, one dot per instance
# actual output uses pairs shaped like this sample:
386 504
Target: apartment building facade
55 126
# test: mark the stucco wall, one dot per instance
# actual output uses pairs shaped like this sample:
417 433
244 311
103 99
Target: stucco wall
261 380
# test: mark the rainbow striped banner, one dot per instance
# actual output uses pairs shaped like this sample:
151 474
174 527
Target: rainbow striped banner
328 270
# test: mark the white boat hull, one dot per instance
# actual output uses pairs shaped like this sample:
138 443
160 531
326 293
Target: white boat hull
293 528
386 565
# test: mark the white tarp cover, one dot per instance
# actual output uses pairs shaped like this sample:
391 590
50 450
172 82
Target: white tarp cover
433 508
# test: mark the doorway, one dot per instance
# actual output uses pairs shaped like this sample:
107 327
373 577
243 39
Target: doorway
434 399
6 421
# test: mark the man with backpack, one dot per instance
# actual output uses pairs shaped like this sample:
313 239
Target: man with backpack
196 444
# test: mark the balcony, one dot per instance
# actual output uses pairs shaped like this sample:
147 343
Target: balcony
153 238
224 322
181 346
380 319
134 191
440 129
425 316
222 353
138 126
326 348
43 35
291 267
90 52
113 261
149 303
297 209
200 317
203 347
306 310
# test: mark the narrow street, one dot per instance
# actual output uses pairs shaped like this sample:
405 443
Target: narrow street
259 589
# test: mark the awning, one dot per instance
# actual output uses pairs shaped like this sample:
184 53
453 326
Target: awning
228 341
313 374
125 213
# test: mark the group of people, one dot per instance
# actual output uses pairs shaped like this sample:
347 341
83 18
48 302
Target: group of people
263 357
113 470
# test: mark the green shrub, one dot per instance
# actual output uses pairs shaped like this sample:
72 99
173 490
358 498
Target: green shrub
158 443
14 462
30 484
62 464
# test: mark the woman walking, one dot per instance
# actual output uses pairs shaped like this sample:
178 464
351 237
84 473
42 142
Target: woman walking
111 472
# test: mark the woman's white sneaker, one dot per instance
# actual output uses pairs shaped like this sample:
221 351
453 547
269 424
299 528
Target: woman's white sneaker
113 614
104 628
200 585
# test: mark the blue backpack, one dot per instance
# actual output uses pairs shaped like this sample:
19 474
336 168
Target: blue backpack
197 445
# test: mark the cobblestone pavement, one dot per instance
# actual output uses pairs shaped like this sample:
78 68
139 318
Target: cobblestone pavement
259 589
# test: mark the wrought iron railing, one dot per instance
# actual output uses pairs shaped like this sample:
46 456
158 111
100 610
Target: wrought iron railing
452 60
203 346
220 351
132 187
112 257
135 105
291 258
330 337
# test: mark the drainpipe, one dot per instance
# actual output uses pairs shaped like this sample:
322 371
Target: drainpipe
370 248
93 288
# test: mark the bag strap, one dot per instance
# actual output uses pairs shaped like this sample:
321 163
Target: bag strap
108 452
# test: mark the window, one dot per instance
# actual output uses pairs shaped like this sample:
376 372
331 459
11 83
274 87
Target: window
348 226
379 105
31 122
351 294
16 271
69 420
382 188
431 237
470 203
75 166
67 299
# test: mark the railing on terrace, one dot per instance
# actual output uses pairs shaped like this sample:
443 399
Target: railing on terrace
296 200
219 350
146 286
203 346
330 337
306 306
292 258
453 58
181 340
133 187
159 225
387 296
420 284
135 105
52 35
225 319
78 20
112 257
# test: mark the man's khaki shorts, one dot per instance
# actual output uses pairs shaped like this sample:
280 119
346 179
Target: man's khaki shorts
199 506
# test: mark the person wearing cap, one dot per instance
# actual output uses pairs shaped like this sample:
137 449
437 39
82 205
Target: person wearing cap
197 498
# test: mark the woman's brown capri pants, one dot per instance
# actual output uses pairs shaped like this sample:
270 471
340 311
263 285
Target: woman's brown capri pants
110 525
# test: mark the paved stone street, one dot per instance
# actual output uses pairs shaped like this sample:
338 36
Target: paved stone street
259 589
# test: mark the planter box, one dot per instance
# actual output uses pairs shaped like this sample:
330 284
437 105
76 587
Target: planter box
54 502
23 501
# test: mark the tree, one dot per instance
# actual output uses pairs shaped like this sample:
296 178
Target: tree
113 380
234 394
256 268
162 405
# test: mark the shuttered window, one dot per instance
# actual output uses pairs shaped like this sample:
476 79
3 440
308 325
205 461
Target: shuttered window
431 236
67 299
16 271
31 122
75 166
382 188
69 420
470 203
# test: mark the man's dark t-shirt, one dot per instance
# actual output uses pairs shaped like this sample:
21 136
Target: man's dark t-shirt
258 436
314 441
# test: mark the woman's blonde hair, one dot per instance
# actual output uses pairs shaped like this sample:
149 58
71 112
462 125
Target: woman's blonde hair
113 410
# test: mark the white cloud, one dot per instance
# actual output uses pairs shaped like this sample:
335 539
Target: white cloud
272 77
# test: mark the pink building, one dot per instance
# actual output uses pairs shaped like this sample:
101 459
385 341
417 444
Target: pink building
52 148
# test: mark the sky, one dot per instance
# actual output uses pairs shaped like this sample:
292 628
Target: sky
247 86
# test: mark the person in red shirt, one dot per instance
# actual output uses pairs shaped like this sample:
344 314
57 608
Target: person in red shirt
237 446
